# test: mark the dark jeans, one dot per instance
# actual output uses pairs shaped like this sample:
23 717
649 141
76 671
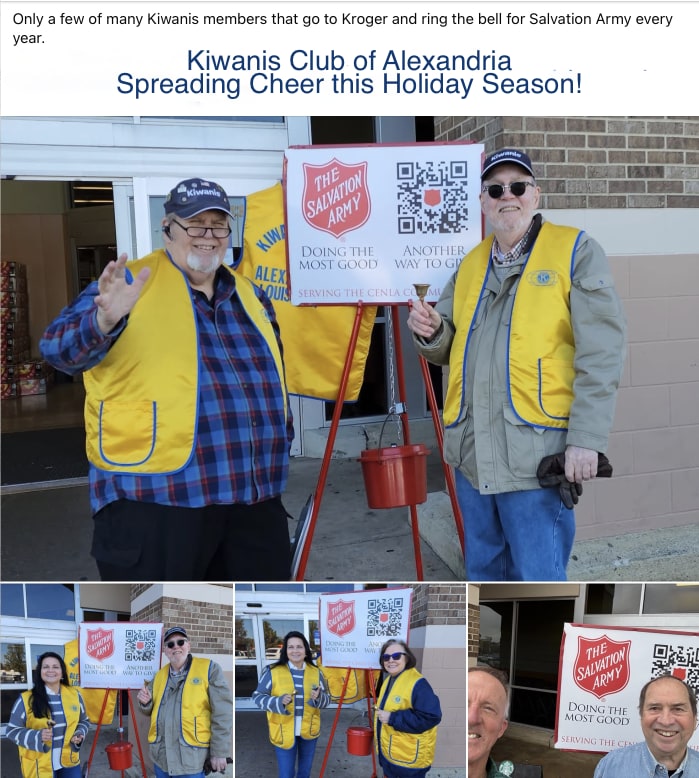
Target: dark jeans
137 541
303 750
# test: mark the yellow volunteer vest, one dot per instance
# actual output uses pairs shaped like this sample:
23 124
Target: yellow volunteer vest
541 348
196 710
37 764
281 727
357 688
315 338
404 748
142 399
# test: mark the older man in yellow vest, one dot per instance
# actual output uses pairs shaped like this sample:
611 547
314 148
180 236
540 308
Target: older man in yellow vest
533 332
191 712
186 413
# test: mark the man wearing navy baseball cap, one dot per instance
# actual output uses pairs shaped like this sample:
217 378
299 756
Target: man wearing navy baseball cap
534 335
187 418
191 712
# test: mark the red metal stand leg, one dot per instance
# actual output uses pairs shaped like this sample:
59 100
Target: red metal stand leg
97 731
400 371
334 726
439 433
136 734
332 434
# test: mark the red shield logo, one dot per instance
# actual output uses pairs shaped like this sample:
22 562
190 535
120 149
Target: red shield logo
340 620
336 196
602 665
432 197
100 643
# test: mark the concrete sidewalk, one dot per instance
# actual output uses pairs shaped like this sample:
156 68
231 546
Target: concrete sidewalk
254 754
46 535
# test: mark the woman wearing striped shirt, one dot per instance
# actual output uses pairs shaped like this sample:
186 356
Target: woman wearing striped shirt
49 723
292 691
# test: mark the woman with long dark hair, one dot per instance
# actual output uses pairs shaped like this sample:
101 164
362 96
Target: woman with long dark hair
49 722
407 715
292 691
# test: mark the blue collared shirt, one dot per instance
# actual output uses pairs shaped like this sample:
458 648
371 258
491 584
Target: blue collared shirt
636 761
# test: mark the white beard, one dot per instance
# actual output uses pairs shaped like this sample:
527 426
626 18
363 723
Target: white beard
207 265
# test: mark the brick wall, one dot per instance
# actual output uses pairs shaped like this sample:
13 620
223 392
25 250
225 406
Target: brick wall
474 628
438 604
209 625
596 162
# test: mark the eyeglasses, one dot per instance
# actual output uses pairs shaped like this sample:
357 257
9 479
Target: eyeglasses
173 643
199 232
496 191
395 656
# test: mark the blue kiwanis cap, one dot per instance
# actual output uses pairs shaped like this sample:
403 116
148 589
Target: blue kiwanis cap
195 195
509 156
175 631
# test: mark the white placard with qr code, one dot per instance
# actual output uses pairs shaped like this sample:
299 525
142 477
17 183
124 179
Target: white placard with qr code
365 223
601 674
354 625
119 655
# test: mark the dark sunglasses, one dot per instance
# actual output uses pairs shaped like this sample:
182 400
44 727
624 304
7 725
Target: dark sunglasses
395 656
173 643
518 188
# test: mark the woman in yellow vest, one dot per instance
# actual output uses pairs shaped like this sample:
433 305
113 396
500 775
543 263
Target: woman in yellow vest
49 723
407 715
292 691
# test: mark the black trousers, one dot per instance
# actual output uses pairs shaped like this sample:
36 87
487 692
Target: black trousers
138 541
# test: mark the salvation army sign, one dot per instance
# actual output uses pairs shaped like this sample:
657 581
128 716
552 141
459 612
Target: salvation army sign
601 673
367 222
354 625
335 196
602 665
118 655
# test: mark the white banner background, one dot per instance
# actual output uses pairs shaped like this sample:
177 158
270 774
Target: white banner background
354 625
363 222
108 651
336 58
587 722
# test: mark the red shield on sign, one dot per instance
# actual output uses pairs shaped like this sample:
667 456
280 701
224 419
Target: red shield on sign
602 665
100 643
335 196
340 619
432 197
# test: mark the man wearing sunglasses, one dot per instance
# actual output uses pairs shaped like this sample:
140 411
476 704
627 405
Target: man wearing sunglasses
187 417
191 712
533 332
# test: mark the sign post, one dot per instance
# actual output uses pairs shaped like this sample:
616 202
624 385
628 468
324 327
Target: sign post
365 225
118 656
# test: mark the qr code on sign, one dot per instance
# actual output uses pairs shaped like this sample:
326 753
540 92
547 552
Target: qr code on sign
140 645
680 661
384 617
432 197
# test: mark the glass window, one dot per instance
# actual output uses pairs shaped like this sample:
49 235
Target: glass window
538 644
328 588
245 680
613 598
496 635
671 598
51 601
13 663
244 639
281 587
12 599
37 649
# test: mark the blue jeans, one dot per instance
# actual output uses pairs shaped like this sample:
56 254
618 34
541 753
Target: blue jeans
162 774
515 536
74 771
286 759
